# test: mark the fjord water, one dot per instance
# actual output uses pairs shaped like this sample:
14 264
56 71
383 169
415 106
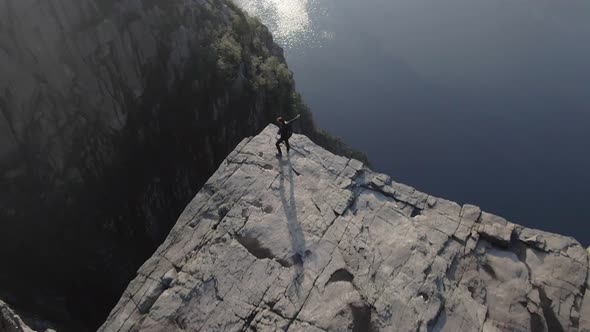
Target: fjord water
478 101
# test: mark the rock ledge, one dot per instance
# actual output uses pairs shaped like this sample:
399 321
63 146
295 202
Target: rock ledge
10 321
318 242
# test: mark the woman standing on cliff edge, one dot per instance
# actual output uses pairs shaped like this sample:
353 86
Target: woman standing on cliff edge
285 132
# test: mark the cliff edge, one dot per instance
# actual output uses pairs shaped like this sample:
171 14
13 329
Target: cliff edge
11 322
319 242
113 114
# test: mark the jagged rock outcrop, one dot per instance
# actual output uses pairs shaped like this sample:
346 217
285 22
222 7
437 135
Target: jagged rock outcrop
10 321
318 242
112 116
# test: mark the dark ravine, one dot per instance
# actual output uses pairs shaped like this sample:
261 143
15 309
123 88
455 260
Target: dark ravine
113 115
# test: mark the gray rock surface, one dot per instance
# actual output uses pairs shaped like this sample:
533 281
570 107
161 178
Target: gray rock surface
318 242
10 321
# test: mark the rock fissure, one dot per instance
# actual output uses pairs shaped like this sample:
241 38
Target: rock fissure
553 323
317 278
426 272
430 324
308 295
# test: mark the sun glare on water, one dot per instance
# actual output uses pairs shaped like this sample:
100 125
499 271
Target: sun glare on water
290 21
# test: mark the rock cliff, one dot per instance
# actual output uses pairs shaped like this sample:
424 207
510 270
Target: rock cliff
112 115
319 242
10 321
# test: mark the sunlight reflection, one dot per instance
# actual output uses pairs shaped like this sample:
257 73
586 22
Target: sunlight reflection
289 21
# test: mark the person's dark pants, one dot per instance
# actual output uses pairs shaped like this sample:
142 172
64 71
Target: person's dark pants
281 140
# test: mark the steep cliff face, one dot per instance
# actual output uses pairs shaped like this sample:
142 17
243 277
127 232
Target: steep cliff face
113 114
319 242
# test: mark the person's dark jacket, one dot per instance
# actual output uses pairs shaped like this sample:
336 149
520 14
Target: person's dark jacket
286 129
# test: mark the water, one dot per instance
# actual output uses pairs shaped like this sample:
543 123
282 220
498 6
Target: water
479 101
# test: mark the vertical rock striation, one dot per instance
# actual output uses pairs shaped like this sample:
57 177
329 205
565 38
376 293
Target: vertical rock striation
319 242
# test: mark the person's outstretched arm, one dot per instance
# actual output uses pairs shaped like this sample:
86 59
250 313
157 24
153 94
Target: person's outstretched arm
297 117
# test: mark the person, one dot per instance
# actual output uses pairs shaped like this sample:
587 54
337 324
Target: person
285 132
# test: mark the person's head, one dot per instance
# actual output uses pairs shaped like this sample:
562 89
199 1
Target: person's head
280 120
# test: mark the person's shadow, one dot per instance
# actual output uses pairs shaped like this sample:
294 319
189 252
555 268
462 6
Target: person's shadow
290 208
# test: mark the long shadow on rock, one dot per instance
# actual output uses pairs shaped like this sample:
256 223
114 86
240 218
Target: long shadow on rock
290 208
